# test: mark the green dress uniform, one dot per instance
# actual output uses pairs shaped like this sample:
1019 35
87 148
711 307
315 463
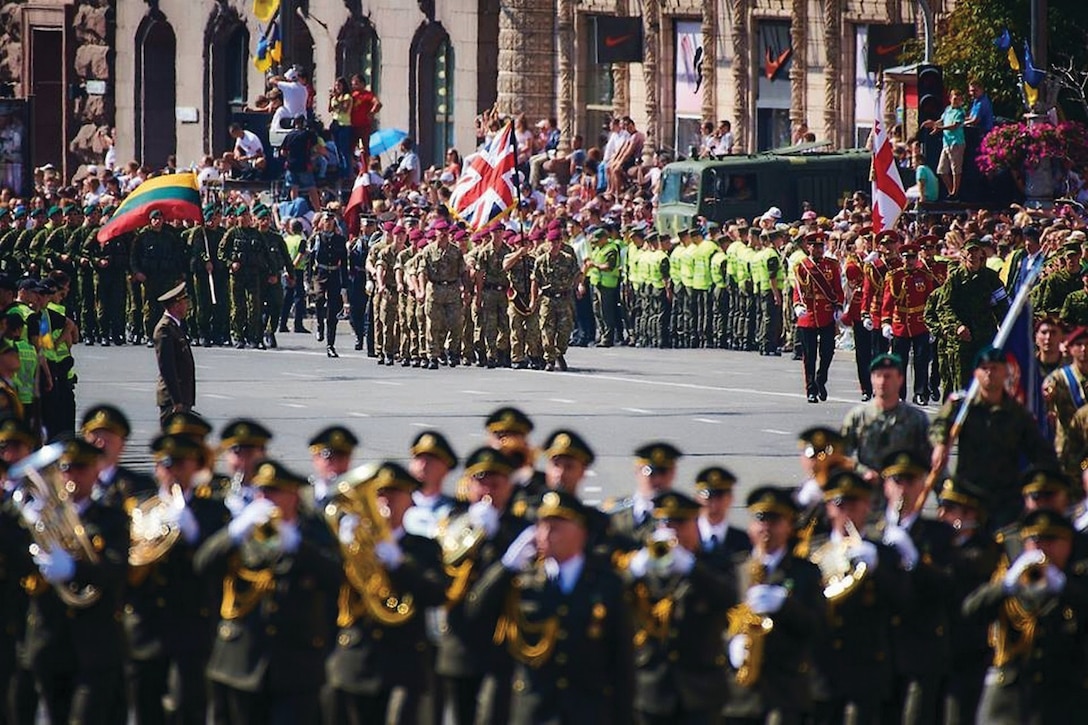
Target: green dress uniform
279 267
274 631
169 610
212 323
109 262
160 257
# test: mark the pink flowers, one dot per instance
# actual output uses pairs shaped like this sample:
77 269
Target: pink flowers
1020 147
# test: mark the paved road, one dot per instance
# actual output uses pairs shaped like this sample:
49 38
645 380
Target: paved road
734 409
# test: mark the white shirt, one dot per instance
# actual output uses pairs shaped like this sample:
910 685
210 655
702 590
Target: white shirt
410 165
294 97
771 561
615 140
904 523
208 175
708 530
642 507
724 145
565 574
249 144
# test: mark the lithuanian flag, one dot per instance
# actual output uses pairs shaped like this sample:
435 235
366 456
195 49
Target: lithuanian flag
175 195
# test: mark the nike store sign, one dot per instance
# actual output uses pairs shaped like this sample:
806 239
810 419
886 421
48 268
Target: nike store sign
619 40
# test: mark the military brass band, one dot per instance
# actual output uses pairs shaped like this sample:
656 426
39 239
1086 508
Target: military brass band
369 594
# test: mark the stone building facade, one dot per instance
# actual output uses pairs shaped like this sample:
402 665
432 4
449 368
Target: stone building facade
170 74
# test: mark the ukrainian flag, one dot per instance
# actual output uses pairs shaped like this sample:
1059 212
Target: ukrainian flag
264 10
175 195
269 49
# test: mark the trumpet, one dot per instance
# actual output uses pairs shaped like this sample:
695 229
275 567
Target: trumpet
840 576
43 499
756 627
459 538
661 547
1035 574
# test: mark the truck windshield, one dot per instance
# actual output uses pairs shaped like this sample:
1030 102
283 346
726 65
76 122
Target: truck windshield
680 187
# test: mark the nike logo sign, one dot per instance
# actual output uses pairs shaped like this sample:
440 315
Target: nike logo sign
611 41
771 64
888 49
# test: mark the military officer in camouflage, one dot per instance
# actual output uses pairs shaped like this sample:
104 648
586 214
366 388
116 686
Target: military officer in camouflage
278 268
209 278
555 277
491 284
446 275
243 252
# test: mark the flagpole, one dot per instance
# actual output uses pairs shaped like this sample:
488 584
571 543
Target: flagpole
1002 336
517 180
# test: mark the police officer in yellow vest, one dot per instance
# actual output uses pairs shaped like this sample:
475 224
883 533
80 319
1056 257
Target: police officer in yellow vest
605 259
702 250
720 294
767 266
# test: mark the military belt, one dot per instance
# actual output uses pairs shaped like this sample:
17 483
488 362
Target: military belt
555 295
443 283
327 266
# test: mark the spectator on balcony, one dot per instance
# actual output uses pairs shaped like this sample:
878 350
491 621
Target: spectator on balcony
248 159
298 149
294 90
364 106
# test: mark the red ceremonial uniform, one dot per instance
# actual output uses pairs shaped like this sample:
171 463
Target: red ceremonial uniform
819 289
905 295
872 291
939 267
855 281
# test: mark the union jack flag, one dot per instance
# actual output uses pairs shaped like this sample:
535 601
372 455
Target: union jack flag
488 186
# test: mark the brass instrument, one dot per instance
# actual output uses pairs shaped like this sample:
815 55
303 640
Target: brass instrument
756 627
822 464
369 591
840 576
1012 634
44 500
243 587
459 539
661 548
152 534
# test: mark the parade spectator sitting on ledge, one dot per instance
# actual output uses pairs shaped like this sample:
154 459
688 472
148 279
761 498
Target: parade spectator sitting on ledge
298 149
248 159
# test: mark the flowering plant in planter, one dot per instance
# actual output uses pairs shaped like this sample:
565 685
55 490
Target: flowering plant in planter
1021 146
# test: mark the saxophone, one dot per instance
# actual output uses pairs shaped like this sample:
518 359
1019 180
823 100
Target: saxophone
756 627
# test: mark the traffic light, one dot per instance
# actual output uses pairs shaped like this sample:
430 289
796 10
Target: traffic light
930 92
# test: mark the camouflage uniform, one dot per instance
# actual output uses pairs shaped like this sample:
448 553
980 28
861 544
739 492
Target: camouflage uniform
385 305
279 263
211 319
1075 309
110 262
444 270
525 343
978 301
406 306
944 340
492 327
555 276
244 247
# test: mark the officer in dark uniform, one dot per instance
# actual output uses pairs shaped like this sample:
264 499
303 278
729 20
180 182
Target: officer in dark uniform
279 267
975 556
74 644
432 460
474 671
680 594
169 607
564 618
632 518
108 429
330 454
854 655
377 671
1042 488
920 635
714 490
209 277
110 262
783 590
192 426
1038 610
244 443
567 457
326 271
360 312
279 579
508 430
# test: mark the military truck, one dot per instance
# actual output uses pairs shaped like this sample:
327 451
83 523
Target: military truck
746 186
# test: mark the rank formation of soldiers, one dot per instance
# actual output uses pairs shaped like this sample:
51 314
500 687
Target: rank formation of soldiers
227 588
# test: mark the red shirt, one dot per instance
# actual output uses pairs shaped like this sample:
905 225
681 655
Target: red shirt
362 103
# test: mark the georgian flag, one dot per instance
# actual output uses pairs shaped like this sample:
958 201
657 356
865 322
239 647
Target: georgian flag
889 198
359 198
487 188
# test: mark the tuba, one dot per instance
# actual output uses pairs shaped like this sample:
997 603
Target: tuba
43 499
840 576
756 627
369 591
153 531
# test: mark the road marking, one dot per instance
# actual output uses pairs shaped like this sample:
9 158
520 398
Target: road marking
591 489
773 431
216 396
706 420
637 410
299 375
357 414
420 425
697 386
591 473
292 405
592 502
393 383
474 392
561 400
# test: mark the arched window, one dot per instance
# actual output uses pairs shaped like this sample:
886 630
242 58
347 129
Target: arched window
156 81
359 50
443 100
226 76
236 70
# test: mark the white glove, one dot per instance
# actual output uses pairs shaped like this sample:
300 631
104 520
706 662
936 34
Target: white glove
864 551
348 524
290 537
810 493
898 538
483 515
639 563
766 598
1025 560
886 331
872 257
522 552
867 323
32 512
1081 522
738 649
57 566
1055 579
190 529
252 515
799 310
681 561
389 554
